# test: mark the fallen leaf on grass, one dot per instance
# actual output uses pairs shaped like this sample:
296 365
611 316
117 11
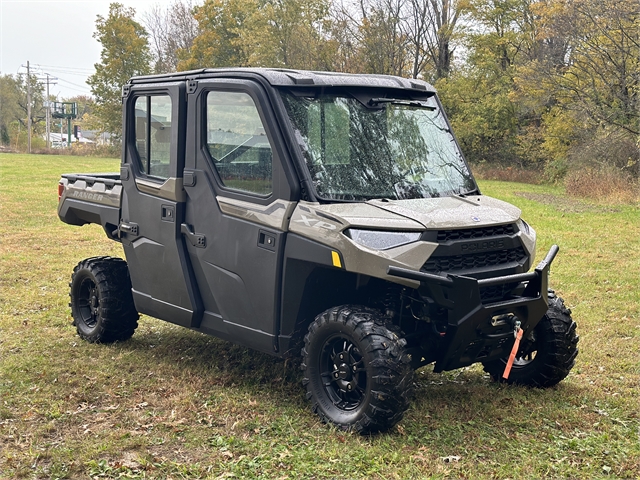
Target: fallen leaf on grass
419 458
284 454
141 405
226 475
227 454
451 459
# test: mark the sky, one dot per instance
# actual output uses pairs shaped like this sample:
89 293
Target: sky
56 37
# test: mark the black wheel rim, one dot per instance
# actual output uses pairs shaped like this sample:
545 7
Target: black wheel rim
88 302
527 354
525 359
343 372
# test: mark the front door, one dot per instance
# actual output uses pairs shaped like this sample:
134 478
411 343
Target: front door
237 210
153 203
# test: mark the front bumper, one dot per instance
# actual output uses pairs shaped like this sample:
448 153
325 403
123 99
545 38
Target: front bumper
477 331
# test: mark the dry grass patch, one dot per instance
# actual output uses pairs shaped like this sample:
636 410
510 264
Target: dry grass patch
507 174
605 185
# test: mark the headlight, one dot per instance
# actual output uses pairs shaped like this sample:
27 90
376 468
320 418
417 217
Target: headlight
381 240
524 227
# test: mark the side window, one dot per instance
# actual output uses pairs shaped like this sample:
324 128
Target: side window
153 134
238 143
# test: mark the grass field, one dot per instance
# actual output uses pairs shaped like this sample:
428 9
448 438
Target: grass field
171 403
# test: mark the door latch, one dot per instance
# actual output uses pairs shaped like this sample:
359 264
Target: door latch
168 213
126 228
196 239
267 240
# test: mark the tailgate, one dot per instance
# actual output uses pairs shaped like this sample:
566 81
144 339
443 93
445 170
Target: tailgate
90 199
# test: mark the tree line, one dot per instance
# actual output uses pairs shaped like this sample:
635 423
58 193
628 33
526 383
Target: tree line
543 84
13 111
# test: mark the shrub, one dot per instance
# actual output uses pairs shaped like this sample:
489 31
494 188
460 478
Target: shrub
83 150
507 174
602 184
92 150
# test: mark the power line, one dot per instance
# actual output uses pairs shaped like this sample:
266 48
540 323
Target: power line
68 73
77 69
57 70
74 84
85 91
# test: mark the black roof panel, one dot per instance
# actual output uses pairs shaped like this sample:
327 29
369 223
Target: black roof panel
286 77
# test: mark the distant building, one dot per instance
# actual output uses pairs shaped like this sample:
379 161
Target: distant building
58 140
96 137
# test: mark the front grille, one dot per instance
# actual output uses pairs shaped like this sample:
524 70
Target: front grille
474 260
496 292
479 252
471 233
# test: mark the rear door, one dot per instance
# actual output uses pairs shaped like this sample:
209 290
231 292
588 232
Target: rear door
237 209
153 203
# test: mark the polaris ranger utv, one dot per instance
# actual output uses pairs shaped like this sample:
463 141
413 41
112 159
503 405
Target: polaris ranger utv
282 209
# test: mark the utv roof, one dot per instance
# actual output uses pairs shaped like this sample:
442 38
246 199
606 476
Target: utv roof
279 77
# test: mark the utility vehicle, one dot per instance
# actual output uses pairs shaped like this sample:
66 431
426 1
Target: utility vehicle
326 215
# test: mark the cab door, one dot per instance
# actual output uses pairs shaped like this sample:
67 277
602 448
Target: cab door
153 203
237 210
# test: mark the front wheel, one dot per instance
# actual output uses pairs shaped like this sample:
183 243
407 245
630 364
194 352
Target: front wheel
356 372
101 301
547 355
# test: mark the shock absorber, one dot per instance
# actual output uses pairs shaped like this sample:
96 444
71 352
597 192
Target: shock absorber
392 302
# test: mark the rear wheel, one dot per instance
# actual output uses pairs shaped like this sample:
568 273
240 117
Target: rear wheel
547 356
101 302
356 372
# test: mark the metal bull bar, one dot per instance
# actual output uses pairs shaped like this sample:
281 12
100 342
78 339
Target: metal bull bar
470 334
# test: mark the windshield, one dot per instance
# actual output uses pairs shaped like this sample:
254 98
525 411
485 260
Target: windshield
361 149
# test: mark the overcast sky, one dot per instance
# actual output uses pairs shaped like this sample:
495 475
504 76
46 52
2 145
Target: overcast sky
56 37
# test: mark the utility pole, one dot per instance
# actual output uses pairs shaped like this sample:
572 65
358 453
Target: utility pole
48 108
47 113
28 108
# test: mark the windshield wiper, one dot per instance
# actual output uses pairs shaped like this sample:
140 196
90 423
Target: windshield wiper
466 194
400 101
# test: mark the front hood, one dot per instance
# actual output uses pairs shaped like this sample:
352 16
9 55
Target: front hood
430 213
326 223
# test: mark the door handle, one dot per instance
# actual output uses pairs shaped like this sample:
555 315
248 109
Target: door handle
125 228
196 239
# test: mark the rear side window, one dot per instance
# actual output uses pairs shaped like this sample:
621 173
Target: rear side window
238 143
153 134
